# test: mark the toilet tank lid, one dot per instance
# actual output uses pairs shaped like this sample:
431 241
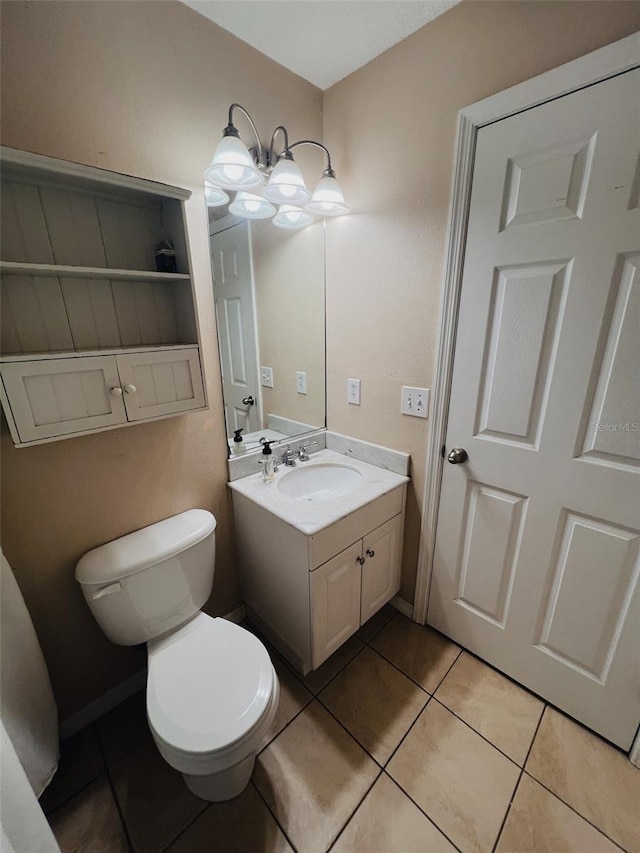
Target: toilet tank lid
144 548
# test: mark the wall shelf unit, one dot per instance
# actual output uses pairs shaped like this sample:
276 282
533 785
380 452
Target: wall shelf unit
92 335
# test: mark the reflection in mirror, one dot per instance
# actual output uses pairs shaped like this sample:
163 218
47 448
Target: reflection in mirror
269 298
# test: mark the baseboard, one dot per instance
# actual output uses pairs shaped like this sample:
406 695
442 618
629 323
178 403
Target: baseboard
94 710
403 606
113 697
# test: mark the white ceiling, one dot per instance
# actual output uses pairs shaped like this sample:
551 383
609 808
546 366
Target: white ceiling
321 40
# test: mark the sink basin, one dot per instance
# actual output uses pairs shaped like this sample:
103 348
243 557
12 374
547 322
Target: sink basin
319 482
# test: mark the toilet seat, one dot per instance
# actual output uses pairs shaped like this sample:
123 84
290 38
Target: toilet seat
210 687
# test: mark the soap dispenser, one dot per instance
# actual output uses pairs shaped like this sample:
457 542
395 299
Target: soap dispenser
267 461
238 444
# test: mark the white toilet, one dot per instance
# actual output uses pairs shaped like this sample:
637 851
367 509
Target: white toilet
212 691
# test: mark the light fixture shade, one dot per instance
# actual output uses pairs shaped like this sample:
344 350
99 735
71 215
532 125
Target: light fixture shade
286 184
327 199
291 217
251 206
214 196
232 167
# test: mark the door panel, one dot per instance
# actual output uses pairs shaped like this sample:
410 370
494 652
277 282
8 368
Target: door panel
380 572
335 602
536 561
161 383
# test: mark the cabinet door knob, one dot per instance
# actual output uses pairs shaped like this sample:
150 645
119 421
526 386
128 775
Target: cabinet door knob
360 560
370 553
130 389
116 391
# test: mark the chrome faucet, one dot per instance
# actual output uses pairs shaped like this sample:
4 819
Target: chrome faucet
289 457
303 455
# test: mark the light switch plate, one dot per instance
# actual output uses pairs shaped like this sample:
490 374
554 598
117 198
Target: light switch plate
353 392
301 382
266 377
415 402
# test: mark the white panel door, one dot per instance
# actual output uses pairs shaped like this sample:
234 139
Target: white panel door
161 383
335 602
235 316
537 552
382 552
59 396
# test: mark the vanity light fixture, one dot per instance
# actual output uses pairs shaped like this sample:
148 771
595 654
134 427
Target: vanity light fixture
235 167
214 196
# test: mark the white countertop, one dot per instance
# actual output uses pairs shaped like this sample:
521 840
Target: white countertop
311 516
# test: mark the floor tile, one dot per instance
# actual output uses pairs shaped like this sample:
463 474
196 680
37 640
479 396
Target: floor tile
375 702
312 776
595 779
389 822
89 821
318 678
155 802
462 782
293 697
377 622
538 822
422 654
242 825
124 728
494 706
80 762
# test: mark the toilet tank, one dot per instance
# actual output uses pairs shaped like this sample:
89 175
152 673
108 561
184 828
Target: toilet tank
146 583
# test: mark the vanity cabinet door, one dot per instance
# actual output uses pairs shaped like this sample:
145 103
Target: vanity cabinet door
161 383
59 396
335 602
382 552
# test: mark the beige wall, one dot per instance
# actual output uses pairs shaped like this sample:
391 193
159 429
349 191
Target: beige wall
289 286
390 128
141 88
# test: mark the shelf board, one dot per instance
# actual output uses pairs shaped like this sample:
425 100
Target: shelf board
82 353
13 268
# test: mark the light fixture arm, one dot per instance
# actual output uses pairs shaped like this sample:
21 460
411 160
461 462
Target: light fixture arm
328 172
285 151
231 130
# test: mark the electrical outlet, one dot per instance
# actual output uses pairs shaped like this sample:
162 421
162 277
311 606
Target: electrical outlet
353 392
415 401
301 382
266 377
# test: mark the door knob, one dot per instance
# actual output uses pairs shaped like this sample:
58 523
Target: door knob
248 401
130 389
370 552
457 455
115 391
360 560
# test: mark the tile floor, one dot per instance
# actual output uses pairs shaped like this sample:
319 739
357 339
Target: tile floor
400 742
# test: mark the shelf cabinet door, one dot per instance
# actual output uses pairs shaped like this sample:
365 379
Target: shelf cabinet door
335 603
381 572
59 396
161 383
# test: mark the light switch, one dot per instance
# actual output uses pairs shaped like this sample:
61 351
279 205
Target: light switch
415 402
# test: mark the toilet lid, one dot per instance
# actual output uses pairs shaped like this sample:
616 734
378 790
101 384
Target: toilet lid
208 686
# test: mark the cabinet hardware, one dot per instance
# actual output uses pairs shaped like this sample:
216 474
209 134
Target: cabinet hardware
115 391
130 389
361 560
370 553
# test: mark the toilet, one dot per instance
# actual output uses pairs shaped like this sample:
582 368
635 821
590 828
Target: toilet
212 691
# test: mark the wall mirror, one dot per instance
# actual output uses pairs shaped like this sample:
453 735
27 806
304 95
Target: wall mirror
269 290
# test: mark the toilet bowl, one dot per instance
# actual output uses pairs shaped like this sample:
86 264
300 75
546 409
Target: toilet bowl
212 691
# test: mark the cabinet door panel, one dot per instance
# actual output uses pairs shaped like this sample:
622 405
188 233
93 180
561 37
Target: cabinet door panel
335 603
61 396
165 382
381 572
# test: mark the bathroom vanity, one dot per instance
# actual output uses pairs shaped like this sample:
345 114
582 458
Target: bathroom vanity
320 551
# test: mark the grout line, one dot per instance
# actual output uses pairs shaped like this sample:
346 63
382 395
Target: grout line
84 786
113 789
420 809
270 810
574 810
351 735
357 806
484 738
184 829
517 785
286 726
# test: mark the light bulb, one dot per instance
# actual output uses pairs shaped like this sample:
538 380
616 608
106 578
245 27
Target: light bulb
251 206
292 218
214 196
327 199
286 184
232 167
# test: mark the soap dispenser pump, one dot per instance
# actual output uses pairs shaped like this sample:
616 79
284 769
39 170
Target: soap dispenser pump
238 444
267 461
